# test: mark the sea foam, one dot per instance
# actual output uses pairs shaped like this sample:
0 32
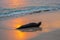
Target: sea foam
27 10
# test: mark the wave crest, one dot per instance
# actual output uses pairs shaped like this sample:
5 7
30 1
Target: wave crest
27 10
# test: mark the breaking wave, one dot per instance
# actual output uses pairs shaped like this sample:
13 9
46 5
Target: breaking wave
26 10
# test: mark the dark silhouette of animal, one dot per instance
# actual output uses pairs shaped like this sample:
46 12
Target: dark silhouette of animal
30 25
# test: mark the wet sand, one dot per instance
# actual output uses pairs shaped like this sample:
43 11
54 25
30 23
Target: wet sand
49 20
53 35
50 23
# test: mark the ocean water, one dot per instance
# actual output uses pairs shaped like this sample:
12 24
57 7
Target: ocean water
5 12
23 7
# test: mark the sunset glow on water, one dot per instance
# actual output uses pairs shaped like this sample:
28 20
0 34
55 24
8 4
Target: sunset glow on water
16 3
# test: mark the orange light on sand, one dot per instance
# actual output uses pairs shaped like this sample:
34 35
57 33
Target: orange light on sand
16 35
15 23
20 35
25 35
56 24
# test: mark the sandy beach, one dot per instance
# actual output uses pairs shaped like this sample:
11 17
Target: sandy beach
53 35
50 19
50 24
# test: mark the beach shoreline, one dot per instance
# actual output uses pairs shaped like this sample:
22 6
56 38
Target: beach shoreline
50 18
50 23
